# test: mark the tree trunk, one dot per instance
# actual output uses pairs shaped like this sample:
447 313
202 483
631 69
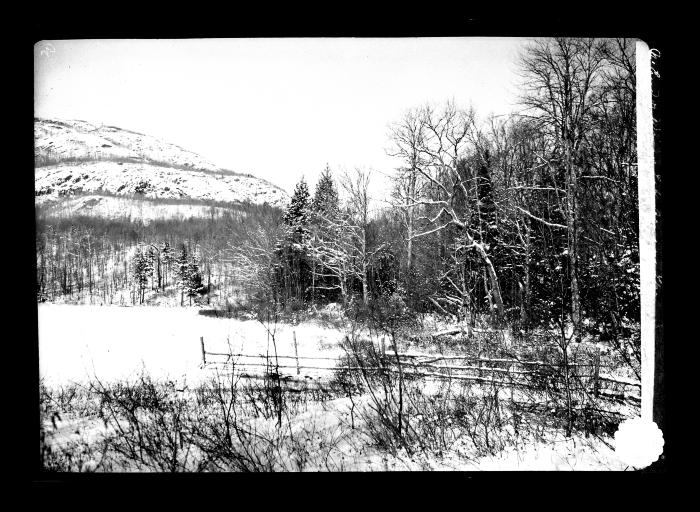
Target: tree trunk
160 279
571 227
365 295
493 279
489 296
365 265
343 291
313 281
409 248
525 301
409 220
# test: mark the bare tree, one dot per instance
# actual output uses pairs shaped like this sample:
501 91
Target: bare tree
356 188
407 137
332 252
560 80
251 262
443 140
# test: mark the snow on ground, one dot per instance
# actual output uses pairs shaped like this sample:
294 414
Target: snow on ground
113 342
157 182
111 207
82 157
560 454
80 139
78 342
334 446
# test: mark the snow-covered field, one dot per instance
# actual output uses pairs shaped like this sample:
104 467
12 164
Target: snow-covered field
113 342
77 343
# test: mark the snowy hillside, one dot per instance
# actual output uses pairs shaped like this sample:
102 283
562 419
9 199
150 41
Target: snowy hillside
145 210
75 157
151 181
60 141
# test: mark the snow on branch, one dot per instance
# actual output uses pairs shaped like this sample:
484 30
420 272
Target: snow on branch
550 224
431 231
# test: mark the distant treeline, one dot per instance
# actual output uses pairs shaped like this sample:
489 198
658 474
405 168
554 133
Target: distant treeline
90 259
240 206
48 157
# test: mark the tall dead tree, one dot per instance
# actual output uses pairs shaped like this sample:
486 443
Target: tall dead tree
356 187
407 136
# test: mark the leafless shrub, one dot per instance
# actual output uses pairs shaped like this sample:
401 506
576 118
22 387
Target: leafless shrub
400 413
69 398
74 456
56 405
236 428
150 424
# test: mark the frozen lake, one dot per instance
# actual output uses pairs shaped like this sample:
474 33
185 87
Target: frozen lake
112 342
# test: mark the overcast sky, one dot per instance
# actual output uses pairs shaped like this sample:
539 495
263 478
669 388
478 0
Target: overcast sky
277 108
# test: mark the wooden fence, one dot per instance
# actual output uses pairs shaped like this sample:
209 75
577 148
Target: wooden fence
506 372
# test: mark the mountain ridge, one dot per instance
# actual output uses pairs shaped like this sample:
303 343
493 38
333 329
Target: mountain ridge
75 157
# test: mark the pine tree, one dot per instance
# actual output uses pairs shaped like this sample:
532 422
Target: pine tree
293 251
153 258
193 279
181 265
325 215
168 258
325 203
142 269
297 216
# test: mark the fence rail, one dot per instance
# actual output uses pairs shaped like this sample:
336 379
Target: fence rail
513 372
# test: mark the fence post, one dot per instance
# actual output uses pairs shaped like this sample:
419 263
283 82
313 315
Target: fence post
296 352
596 372
204 357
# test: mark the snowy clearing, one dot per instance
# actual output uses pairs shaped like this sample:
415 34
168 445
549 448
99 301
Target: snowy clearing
113 342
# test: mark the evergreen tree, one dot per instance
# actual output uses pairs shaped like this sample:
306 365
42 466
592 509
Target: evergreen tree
325 203
181 265
154 261
193 279
168 258
189 275
142 269
294 267
325 215
297 216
